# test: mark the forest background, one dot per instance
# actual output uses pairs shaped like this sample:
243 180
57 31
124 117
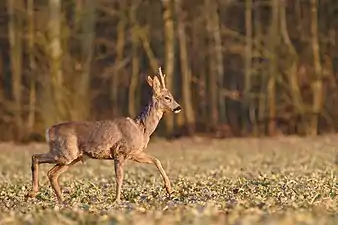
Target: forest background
238 67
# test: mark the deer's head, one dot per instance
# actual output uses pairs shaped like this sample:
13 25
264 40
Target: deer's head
163 96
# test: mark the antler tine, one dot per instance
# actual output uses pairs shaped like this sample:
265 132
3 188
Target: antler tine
162 76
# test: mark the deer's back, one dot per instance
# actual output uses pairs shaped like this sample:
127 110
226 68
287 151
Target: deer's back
100 139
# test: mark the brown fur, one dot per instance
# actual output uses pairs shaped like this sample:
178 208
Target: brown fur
119 139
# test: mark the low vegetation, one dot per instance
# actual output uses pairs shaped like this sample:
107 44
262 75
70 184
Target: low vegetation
236 181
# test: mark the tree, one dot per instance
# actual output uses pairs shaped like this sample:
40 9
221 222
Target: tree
273 42
169 51
211 26
32 66
185 69
88 22
56 73
248 53
135 62
120 47
15 30
317 86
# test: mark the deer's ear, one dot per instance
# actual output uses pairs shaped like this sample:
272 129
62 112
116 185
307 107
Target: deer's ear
150 81
156 85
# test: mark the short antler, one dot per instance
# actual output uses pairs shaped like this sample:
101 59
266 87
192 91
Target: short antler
162 76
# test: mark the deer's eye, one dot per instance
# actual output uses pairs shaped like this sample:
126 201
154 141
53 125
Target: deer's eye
167 98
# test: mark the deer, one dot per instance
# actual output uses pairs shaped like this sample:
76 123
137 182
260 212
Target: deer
119 139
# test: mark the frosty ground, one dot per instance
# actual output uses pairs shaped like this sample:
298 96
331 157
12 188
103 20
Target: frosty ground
283 180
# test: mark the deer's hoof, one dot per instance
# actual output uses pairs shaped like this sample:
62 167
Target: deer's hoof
169 190
172 194
31 194
117 202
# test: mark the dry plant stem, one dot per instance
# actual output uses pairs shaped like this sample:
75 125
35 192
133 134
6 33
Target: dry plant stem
118 139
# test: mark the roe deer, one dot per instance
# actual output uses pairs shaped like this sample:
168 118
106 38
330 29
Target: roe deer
119 139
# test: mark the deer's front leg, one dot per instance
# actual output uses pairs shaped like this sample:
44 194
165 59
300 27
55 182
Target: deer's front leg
118 164
145 158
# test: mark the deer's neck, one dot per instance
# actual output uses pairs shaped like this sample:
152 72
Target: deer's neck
149 117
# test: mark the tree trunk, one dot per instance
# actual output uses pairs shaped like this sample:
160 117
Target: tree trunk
185 70
15 38
32 67
217 53
212 61
120 45
87 45
317 86
200 98
258 119
134 77
169 51
248 59
56 60
135 66
149 52
273 70
78 12
2 76
297 100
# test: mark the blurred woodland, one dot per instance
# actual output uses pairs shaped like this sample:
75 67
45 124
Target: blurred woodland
237 67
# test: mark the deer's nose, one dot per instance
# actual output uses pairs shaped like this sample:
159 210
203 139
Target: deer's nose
177 109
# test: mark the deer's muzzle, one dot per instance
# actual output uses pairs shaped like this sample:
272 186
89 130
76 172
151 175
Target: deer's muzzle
177 109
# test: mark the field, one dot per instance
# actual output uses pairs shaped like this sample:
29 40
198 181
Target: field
269 181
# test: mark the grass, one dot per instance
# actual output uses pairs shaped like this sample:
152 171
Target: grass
268 181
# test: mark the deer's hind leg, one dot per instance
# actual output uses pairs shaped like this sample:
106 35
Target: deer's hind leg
36 160
62 152
54 174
